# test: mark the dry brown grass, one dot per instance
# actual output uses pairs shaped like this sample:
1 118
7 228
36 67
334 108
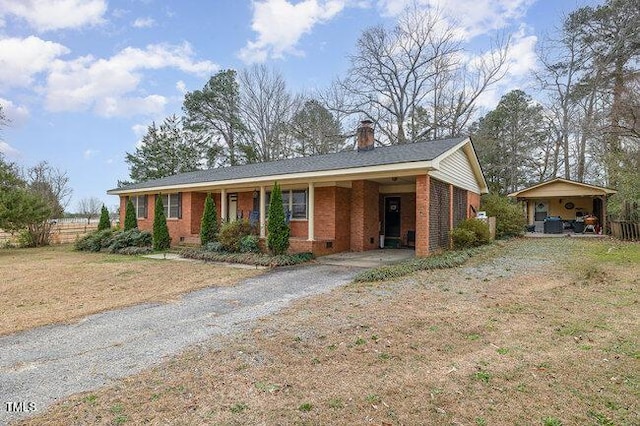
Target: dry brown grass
56 284
545 336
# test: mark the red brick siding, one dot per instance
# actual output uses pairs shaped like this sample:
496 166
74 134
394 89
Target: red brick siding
325 213
342 219
299 229
365 221
474 200
422 215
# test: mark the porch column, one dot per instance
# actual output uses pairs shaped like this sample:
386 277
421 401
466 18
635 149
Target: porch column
423 188
311 211
223 204
263 211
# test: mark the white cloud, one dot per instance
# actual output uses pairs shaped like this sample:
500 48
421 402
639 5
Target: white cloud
8 150
89 153
46 15
181 87
521 62
109 85
144 23
479 16
16 114
280 24
140 130
21 59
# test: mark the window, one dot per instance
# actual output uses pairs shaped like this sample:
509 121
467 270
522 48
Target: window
172 205
293 202
140 204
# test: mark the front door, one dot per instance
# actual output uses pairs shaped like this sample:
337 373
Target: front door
392 217
540 214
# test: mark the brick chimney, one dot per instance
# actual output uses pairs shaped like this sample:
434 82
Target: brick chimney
364 136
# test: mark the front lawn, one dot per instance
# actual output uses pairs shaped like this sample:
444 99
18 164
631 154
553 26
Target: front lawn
532 332
56 284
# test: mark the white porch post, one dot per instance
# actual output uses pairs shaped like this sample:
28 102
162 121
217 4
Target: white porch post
311 211
223 204
263 211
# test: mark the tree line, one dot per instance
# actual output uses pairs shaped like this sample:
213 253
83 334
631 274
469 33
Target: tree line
413 80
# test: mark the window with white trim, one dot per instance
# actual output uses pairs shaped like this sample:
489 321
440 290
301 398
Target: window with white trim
172 205
140 205
294 202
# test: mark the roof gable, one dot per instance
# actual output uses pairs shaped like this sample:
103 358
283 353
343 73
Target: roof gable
407 154
559 187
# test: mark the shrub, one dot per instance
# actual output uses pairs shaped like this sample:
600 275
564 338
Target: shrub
445 260
231 233
249 244
134 251
94 241
131 238
161 238
278 236
510 219
470 233
260 259
130 220
105 222
214 246
209 222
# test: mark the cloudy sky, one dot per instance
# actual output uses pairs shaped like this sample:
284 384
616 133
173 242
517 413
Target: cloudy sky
81 80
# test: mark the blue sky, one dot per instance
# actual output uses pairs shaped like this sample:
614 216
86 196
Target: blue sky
81 80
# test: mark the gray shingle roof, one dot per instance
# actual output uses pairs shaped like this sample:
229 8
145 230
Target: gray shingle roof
419 151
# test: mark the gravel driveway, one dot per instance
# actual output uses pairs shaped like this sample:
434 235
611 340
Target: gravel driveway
45 364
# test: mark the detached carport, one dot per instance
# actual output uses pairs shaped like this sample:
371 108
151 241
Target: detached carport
563 198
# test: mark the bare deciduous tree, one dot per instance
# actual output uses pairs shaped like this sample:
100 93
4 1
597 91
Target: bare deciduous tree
89 207
267 108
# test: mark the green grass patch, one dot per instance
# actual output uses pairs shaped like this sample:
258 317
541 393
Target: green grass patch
449 259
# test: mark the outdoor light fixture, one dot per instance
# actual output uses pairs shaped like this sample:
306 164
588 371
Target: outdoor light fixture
255 193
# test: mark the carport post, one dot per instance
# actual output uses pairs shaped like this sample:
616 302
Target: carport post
311 213
223 204
263 215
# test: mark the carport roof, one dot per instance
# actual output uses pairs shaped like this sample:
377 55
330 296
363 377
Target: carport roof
559 187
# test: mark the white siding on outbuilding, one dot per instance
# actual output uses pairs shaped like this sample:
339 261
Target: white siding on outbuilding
456 170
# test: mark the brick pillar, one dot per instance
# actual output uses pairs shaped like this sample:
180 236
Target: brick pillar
450 208
422 215
357 215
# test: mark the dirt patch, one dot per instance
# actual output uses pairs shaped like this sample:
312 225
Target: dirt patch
521 335
56 284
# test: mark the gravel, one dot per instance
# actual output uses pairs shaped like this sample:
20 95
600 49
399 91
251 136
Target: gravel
43 365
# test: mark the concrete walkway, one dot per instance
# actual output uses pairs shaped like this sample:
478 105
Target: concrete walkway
45 364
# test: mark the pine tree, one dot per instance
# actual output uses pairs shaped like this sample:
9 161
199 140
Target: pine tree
104 223
130 221
209 223
161 238
278 238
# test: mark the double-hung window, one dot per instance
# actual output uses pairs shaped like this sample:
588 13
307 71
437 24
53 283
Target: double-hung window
140 205
172 205
294 203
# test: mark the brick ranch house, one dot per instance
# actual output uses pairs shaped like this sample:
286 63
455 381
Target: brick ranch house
413 194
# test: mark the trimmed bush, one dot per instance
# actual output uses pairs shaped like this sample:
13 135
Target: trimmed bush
209 222
130 220
131 238
105 222
278 230
250 244
94 241
259 259
509 216
161 238
232 233
470 233
213 246
134 251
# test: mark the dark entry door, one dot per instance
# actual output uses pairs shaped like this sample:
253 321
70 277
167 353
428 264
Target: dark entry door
392 217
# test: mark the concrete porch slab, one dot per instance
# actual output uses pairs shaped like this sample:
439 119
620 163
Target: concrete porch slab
367 259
